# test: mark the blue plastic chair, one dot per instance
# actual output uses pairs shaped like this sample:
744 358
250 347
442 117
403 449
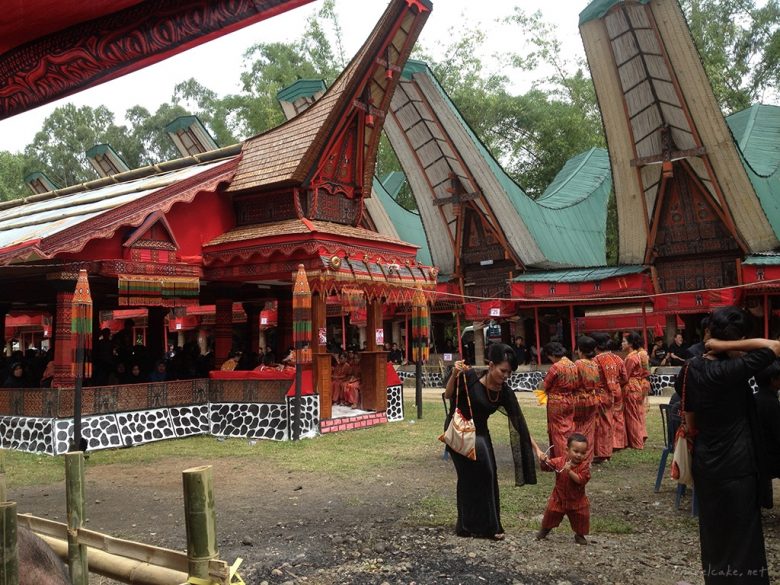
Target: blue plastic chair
669 432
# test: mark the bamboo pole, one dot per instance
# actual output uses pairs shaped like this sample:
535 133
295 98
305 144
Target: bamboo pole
9 564
74 495
200 520
119 568
3 490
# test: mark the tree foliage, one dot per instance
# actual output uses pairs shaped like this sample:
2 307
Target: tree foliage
739 42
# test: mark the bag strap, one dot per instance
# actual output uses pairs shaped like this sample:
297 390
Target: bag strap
684 384
462 376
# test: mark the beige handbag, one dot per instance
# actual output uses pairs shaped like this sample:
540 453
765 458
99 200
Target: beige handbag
461 434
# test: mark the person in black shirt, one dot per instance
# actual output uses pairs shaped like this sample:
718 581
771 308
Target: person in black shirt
728 469
658 354
396 356
521 351
678 351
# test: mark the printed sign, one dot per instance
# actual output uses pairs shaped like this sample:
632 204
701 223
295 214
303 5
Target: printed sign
495 312
263 320
447 357
380 336
323 336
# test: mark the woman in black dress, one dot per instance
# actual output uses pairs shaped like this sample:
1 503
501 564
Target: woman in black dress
477 491
728 462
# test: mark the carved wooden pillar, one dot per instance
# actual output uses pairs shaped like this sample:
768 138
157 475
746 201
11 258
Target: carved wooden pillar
63 376
223 331
479 343
321 361
156 335
252 326
373 363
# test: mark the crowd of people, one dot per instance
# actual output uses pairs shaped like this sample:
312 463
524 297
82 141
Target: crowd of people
597 404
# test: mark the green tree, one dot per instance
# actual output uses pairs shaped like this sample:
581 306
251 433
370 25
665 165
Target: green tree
12 167
58 149
739 43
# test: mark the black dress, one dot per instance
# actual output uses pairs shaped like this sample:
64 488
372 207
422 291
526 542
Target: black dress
479 511
728 466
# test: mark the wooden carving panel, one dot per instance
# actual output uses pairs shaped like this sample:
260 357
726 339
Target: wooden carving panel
487 281
265 209
479 241
694 248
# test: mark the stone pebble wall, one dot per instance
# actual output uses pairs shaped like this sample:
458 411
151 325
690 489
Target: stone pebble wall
221 419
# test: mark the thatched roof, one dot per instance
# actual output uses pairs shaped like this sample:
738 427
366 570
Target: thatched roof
657 104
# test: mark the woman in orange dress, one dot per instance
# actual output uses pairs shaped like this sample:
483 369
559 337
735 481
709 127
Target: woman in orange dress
350 393
635 391
589 392
341 371
610 413
560 385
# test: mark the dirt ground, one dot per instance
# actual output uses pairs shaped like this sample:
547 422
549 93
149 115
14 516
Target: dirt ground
292 527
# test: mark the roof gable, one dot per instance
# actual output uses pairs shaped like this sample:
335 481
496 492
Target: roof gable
292 152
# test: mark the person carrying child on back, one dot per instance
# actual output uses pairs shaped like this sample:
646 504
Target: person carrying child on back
568 496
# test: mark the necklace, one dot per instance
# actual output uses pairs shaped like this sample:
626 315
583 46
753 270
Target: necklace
490 391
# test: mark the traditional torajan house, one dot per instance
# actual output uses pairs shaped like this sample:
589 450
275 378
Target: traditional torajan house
481 227
226 225
694 194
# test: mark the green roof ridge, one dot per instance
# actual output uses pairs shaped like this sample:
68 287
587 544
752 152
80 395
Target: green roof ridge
598 8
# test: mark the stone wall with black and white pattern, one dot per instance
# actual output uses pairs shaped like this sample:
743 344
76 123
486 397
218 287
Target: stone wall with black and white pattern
241 419
395 403
310 413
660 381
525 381
24 433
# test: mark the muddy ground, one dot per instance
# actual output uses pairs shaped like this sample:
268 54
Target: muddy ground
293 527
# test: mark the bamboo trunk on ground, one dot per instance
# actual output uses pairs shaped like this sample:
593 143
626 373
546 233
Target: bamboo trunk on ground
9 564
121 569
200 520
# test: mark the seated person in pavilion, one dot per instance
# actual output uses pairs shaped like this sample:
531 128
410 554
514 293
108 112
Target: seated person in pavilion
341 372
350 388
232 361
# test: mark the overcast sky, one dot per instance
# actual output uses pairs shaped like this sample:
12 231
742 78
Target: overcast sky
217 64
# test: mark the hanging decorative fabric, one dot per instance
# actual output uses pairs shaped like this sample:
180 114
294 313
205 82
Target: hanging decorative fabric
420 327
158 291
81 328
353 300
359 318
269 316
301 306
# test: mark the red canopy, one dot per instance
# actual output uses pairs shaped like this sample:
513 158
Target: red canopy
53 48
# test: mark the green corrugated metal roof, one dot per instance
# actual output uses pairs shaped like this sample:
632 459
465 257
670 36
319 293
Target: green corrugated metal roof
763 260
599 8
580 274
407 223
301 88
570 229
393 183
756 131
181 122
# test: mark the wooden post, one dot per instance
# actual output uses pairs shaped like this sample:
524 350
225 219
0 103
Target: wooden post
200 520
572 329
3 491
74 495
644 323
538 342
460 338
766 316
9 565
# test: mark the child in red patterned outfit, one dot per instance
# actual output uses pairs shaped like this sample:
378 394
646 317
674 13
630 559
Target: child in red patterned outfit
568 497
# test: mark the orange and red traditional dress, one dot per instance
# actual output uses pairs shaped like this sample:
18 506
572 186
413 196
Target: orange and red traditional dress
560 384
589 390
634 395
610 412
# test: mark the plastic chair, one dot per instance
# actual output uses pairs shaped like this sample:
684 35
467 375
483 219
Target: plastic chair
670 431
